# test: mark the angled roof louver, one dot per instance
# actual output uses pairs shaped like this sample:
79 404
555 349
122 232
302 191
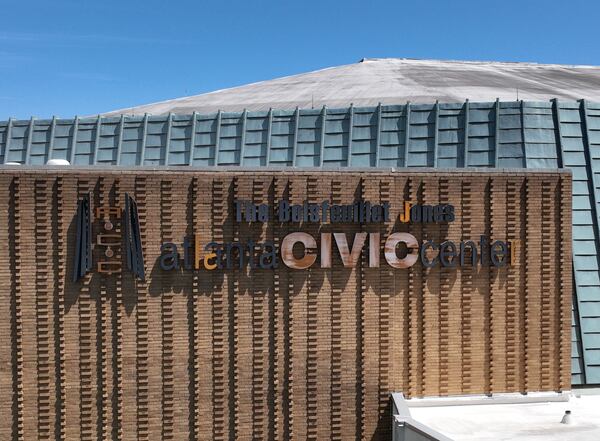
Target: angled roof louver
133 241
83 245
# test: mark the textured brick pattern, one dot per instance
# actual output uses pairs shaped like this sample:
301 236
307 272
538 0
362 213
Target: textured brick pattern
272 354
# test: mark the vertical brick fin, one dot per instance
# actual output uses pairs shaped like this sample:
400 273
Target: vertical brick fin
451 294
420 309
521 325
124 401
299 292
17 310
312 325
512 306
489 300
102 334
276 398
423 306
266 293
348 283
117 328
498 285
87 384
566 283
467 291
258 342
166 223
194 317
548 271
479 300
156 286
231 231
385 276
412 315
321 282
443 317
219 399
370 310
59 264
203 314
289 432
337 285
42 306
29 310
399 299
557 281
430 286
178 284
525 304
241 401
361 289
141 312
535 303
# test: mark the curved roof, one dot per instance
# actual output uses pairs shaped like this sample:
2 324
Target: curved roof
393 81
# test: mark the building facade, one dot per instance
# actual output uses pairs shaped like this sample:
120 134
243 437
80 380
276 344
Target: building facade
515 134
274 304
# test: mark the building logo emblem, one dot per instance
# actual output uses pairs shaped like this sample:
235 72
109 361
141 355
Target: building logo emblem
108 242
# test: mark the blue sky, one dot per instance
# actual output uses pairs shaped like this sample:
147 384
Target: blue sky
69 58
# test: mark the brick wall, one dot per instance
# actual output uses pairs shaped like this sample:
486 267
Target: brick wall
272 354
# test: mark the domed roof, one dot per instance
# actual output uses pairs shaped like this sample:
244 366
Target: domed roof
395 81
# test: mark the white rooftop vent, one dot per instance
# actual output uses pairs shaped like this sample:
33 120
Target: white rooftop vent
58 162
566 419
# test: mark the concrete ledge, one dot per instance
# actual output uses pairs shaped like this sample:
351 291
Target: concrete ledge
508 398
405 428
